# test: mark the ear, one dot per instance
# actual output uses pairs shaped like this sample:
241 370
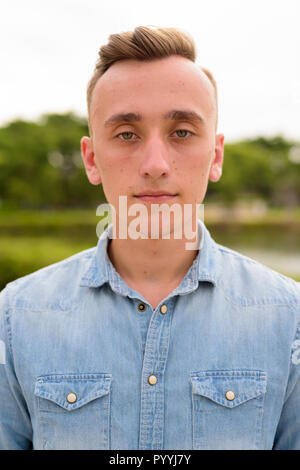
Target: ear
215 172
88 156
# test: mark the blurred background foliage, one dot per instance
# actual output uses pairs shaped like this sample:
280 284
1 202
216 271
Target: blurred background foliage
48 207
41 167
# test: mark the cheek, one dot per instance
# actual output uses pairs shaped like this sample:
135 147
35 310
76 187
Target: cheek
196 169
108 163
117 162
202 163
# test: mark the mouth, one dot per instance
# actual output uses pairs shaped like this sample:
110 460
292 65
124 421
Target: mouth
155 196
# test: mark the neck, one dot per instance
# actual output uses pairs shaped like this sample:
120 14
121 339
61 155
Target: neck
153 267
161 262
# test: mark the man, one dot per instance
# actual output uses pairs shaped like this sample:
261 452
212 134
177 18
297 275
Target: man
141 343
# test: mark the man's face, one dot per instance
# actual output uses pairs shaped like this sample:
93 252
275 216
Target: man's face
153 132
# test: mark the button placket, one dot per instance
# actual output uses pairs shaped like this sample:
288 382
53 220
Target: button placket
152 391
163 309
152 379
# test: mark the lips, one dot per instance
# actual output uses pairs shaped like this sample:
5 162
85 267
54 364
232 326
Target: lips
155 196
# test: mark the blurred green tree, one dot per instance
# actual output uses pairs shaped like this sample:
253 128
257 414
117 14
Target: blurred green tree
41 167
40 164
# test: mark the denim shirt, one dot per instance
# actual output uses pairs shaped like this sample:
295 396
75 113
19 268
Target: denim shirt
86 363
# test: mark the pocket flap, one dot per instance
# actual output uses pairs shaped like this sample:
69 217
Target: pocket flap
245 385
79 389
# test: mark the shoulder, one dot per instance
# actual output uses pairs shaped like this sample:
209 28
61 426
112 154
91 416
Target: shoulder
53 286
251 282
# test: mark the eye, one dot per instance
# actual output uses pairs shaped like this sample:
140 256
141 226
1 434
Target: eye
182 133
126 135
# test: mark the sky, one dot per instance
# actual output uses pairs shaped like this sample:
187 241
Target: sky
49 49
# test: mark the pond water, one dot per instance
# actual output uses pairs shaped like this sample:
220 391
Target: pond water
284 262
278 249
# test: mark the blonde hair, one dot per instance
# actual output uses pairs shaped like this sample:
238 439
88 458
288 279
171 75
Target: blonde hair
144 44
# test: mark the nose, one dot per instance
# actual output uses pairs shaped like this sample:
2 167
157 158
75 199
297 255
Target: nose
155 162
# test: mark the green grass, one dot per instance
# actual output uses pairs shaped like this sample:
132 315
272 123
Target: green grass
30 240
28 219
22 255
48 221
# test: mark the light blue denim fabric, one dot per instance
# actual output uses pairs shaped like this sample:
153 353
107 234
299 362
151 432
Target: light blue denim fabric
75 328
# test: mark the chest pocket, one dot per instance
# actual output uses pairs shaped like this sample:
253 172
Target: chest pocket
73 411
228 409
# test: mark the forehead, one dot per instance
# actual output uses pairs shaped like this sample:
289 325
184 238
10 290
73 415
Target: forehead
152 88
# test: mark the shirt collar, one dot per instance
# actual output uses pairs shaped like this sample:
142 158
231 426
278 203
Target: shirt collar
204 268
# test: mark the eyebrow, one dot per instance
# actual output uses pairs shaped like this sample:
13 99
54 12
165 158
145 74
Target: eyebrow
174 115
122 117
184 115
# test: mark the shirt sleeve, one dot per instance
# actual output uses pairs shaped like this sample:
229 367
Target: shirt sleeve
288 430
15 424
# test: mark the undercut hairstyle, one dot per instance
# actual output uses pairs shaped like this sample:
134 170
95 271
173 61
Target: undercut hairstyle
144 44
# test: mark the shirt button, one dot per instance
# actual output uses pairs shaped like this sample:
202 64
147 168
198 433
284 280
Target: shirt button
230 395
163 309
71 398
152 379
142 307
